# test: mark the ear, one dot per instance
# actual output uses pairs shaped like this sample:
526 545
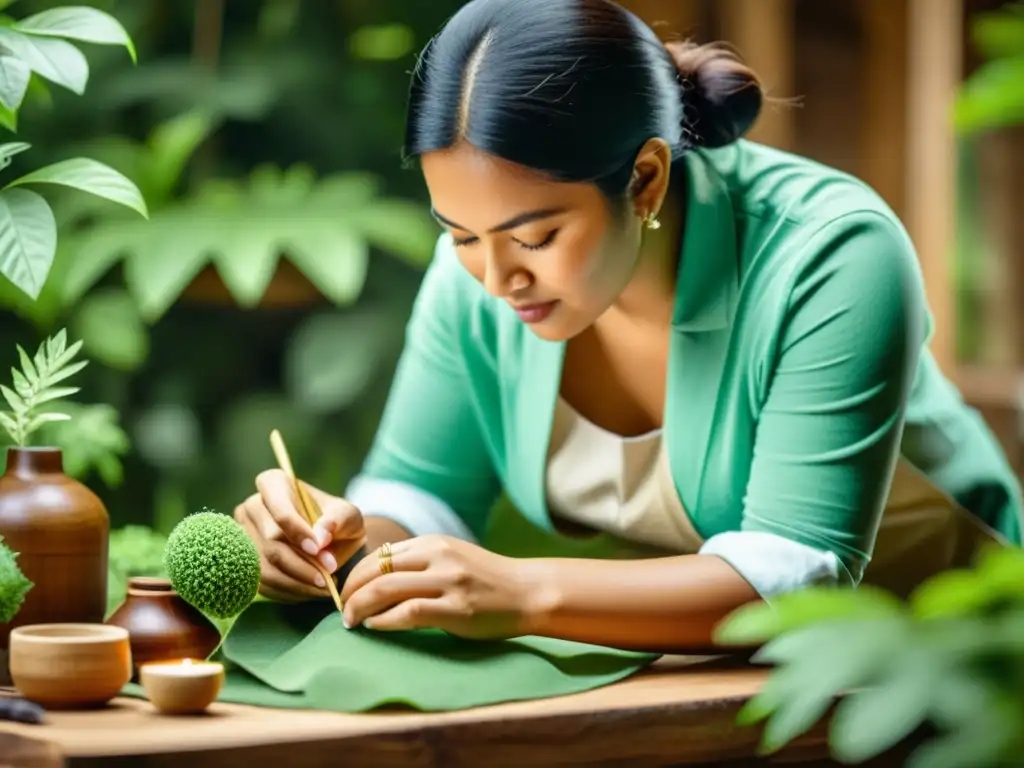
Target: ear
651 172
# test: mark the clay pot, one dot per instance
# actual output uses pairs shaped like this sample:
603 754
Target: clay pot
161 625
60 529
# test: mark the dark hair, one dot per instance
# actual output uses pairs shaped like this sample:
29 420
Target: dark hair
573 88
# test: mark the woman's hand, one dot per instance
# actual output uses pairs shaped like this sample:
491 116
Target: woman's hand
439 582
288 545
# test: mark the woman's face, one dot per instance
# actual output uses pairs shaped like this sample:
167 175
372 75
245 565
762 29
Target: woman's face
554 251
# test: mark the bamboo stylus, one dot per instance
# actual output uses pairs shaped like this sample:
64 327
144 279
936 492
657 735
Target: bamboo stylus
307 506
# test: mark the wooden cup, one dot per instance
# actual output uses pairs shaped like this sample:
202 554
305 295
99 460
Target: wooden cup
70 666
182 687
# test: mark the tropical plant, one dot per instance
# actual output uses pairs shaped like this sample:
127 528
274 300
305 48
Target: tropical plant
14 586
993 95
36 384
950 658
37 48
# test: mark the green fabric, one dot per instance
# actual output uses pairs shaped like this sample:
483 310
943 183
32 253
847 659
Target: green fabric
798 373
296 657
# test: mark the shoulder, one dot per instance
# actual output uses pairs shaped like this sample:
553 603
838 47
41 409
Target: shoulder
802 225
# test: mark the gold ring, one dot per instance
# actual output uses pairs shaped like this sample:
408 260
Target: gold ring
384 559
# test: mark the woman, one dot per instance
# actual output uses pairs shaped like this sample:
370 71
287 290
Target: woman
638 323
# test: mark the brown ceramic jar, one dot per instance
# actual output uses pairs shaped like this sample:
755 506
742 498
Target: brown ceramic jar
60 530
161 625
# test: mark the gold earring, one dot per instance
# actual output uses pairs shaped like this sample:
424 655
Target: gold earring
651 221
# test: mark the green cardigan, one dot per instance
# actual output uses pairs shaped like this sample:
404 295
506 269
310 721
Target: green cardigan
798 371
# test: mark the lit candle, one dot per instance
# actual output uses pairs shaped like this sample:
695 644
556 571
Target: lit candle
183 686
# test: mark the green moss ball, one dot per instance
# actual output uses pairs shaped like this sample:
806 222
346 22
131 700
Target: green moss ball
213 564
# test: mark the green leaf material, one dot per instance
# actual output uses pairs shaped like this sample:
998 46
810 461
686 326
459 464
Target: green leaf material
870 721
170 146
27 366
21 385
8 118
7 151
14 586
89 176
89 25
992 97
108 322
28 239
757 622
91 441
998 34
13 399
14 77
56 60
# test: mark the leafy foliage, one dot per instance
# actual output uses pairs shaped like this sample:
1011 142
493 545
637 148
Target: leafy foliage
14 586
35 385
993 97
135 550
952 656
38 47
91 439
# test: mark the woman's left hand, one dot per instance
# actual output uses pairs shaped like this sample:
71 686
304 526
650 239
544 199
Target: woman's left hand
439 582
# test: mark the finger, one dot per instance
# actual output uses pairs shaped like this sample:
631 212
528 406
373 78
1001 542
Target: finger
283 571
406 555
337 517
418 613
381 595
281 557
279 498
260 517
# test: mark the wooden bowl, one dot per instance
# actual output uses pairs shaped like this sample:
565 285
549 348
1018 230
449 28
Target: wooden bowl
70 666
182 687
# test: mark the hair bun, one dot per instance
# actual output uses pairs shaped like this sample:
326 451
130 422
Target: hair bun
722 95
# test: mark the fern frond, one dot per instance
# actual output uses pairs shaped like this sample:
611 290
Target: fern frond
35 384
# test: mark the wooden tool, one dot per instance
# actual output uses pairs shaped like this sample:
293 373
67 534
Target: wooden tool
307 506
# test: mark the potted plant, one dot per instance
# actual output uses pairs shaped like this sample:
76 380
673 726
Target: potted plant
57 525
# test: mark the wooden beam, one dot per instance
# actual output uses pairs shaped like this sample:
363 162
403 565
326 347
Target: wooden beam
934 70
763 32
883 126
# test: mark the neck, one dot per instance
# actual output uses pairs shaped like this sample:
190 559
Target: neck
650 295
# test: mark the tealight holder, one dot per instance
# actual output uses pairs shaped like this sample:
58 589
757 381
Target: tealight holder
182 686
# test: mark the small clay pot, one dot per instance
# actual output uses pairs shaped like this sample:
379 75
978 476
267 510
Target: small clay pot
161 625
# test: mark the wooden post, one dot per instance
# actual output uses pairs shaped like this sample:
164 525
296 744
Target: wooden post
934 44
883 126
762 31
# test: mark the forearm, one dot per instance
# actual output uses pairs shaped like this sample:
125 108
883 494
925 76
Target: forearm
666 605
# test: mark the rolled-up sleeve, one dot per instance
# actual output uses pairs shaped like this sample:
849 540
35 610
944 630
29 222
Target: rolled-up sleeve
829 429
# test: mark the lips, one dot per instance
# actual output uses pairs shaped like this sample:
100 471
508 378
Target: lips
535 313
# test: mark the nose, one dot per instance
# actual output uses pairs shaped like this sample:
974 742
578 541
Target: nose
502 276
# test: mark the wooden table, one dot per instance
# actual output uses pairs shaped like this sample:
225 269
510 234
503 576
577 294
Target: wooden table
680 712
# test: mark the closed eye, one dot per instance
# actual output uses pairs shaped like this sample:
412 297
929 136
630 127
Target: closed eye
542 244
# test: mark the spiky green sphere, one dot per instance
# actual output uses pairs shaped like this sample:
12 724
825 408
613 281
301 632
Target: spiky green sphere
213 564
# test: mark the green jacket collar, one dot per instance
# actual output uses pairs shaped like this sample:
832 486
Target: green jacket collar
708 281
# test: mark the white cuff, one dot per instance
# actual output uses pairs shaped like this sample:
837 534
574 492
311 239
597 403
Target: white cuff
773 564
419 512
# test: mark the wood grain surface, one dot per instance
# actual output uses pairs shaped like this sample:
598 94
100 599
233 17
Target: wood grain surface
681 712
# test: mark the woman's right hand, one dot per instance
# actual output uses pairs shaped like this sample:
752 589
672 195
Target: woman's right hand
288 544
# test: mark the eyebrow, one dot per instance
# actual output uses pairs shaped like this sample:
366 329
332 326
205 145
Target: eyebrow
515 221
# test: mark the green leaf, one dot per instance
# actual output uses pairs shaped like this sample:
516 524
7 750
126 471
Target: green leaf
948 594
334 260
155 278
989 740
66 372
8 118
46 418
21 385
79 23
28 239
998 34
400 228
247 260
15 400
10 425
991 97
114 334
171 145
56 60
56 393
92 253
7 151
757 622
871 721
27 367
89 176
14 77
92 440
